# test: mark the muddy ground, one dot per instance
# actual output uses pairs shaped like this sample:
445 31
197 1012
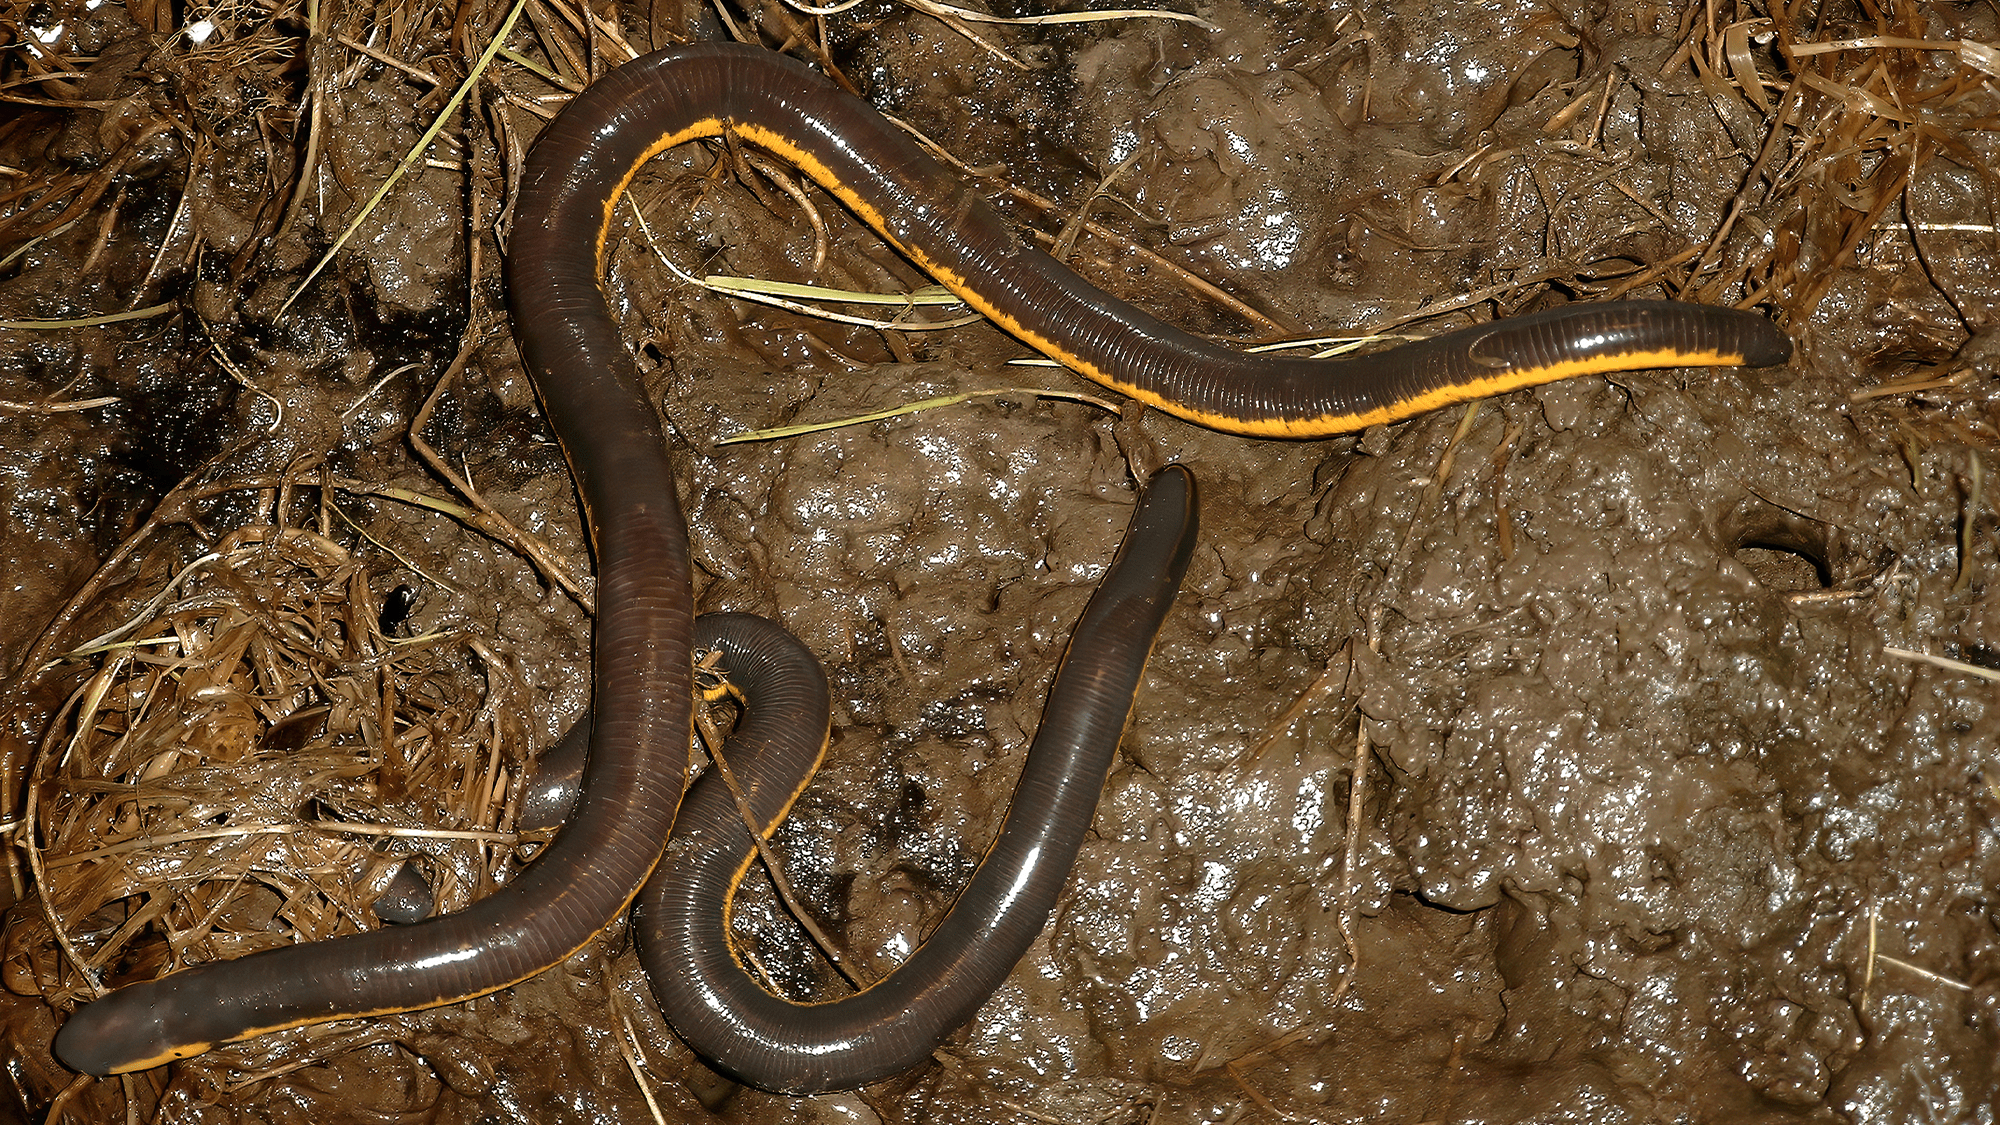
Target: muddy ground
1652 821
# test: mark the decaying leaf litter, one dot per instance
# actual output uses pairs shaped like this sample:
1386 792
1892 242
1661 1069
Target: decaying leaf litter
1654 818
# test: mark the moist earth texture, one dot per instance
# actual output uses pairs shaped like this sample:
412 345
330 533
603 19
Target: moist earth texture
1622 750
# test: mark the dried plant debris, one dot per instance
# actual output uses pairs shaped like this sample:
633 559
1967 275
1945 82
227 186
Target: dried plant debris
249 764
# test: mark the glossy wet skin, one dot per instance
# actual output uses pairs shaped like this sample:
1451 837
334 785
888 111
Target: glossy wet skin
579 170
1288 602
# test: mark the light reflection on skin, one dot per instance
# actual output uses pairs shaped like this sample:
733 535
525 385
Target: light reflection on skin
447 957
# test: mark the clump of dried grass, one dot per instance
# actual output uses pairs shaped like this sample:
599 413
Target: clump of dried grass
1850 110
245 761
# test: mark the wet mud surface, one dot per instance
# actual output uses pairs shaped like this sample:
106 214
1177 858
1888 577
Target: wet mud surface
1546 761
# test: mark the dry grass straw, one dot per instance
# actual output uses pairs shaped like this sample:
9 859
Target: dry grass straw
243 762
1850 127
444 116
42 89
224 751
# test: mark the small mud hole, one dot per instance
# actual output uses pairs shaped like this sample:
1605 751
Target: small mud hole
1786 552
1782 568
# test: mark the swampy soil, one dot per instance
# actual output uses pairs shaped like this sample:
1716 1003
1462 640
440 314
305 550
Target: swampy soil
1565 758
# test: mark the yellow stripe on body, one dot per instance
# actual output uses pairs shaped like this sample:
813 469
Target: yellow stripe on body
1327 425
766 832
694 131
1324 425
171 1054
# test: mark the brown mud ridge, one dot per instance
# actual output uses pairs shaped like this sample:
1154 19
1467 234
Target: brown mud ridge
1561 759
